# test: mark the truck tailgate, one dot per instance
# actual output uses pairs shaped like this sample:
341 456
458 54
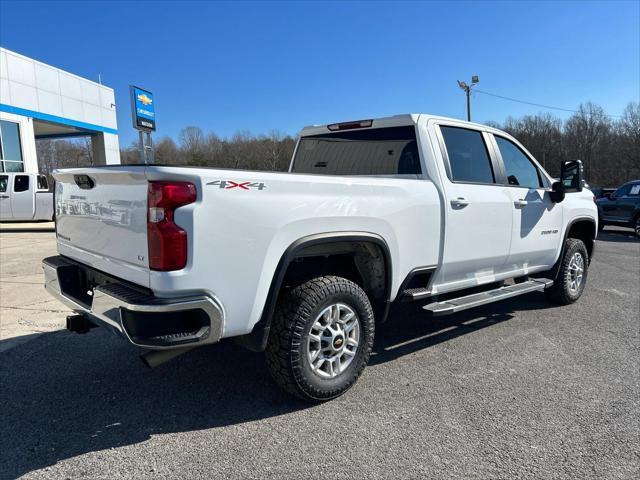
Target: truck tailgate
101 219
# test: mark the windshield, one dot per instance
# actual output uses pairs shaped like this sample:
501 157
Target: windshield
380 151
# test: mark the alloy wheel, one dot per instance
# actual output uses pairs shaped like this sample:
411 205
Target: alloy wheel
575 273
333 340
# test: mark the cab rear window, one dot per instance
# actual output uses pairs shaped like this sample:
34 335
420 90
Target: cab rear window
379 151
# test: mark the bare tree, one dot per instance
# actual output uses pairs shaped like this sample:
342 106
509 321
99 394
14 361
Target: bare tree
166 152
192 143
585 135
88 148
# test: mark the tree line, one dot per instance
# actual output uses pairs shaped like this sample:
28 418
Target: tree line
242 151
609 147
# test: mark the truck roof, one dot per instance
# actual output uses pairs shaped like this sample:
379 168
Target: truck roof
381 122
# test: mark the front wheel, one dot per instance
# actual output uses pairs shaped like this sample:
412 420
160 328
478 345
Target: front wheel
321 338
572 275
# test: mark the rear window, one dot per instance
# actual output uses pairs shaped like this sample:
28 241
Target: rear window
380 151
43 183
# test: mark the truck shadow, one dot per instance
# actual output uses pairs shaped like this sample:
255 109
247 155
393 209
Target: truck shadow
64 395
413 331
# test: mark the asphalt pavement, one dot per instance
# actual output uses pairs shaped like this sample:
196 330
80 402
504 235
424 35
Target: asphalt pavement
518 389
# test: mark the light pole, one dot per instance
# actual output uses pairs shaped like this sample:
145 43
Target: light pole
467 90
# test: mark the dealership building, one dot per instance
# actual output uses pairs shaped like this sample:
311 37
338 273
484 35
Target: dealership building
38 101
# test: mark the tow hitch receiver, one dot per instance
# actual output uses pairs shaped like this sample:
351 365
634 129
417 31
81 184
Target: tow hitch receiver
79 324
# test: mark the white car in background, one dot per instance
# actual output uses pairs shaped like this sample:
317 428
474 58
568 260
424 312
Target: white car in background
25 197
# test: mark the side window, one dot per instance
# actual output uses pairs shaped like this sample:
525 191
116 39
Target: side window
623 191
4 181
21 183
468 156
43 183
519 169
635 190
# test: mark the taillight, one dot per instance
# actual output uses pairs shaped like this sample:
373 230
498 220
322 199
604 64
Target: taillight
167 241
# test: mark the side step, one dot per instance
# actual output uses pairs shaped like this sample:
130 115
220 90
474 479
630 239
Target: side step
412 294
458 304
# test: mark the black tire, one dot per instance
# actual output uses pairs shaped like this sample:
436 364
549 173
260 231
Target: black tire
288 347
636 225
562 292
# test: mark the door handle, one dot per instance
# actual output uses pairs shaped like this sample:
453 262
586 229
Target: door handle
4 196
521 203
459 202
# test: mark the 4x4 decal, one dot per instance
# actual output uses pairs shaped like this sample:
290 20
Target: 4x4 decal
229 184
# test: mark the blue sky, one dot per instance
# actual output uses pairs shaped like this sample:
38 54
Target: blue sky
259 66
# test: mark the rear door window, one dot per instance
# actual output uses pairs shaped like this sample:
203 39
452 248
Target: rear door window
21 183
468 156
4 182
379 151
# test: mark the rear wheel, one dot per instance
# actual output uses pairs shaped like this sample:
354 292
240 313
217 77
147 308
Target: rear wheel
572 275
321 338
637 226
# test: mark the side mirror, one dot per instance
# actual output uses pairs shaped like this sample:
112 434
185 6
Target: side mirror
557 192
571 176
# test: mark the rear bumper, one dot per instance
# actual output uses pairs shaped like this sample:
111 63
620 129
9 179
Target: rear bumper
134 312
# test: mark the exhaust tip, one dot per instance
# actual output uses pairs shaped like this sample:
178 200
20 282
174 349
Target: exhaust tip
155 358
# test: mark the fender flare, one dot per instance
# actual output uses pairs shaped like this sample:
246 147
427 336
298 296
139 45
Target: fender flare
257 339
556 266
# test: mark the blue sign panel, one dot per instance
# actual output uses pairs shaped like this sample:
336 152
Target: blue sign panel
144 109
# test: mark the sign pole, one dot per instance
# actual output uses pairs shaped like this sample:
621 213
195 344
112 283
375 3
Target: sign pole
149 149
143 157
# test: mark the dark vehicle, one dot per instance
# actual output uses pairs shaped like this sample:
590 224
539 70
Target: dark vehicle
601 192
622 207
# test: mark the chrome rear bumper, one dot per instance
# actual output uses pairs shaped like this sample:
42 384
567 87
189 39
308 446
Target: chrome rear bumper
133 312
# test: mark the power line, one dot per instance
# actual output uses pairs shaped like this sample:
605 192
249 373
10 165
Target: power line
535 104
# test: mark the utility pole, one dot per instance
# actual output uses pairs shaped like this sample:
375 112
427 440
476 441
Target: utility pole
467 90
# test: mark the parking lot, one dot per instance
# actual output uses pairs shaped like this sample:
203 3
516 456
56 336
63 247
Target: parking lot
514 389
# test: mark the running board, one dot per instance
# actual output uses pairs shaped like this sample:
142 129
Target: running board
458 304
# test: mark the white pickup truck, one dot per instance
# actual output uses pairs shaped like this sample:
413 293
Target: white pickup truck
303 264
25 197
